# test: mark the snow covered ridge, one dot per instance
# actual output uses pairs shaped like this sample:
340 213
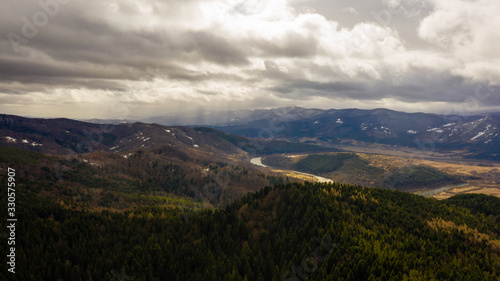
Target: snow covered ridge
127 155
383 130
24 141
474 131
364 126
481 130
488 132
477 136
437 130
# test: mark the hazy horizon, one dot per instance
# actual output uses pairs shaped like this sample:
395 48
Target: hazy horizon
192 114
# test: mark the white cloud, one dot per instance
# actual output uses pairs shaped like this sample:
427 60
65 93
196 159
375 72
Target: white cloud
408 8
469 31
350 10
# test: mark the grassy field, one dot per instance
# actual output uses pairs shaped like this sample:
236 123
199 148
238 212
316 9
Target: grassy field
484 180
454 157
480 188
380 168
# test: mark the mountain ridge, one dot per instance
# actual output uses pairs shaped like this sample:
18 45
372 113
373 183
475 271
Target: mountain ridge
477 135
67 136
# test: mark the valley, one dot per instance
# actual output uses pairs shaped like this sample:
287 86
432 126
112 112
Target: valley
483 179
441 156
197 203
474 179
468 138
258 161
200 152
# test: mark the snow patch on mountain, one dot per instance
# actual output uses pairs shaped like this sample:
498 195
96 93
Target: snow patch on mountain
477 136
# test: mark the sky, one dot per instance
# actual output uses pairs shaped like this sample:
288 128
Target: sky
137 59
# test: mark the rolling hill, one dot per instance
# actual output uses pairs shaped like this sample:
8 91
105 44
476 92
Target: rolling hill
66 136
83 162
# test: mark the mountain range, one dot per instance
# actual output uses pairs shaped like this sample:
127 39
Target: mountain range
477 136
474 137
66 136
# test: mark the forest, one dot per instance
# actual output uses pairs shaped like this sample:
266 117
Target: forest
162 215
282 232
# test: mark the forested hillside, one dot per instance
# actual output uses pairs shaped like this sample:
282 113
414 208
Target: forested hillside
114 181
66 136
286 232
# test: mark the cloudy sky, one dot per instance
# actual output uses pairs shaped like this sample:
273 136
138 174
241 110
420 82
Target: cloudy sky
132 59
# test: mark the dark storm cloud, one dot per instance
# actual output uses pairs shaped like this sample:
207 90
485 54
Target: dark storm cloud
423 85
21 69
292 45
320 88
214 48
75 46
247 52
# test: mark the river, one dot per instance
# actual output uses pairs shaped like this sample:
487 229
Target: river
431 192
258 161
